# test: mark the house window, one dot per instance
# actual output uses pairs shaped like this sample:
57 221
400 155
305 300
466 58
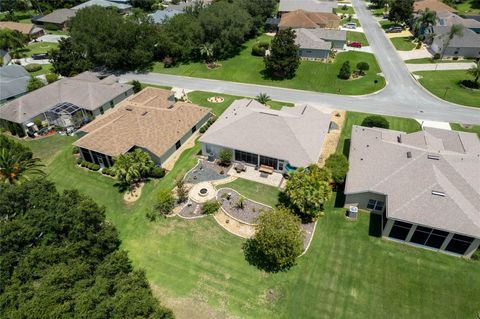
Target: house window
375 204
111 104
400 230
459 244
269 161
429 237
280 165
101 110
178 144
194 129
246 157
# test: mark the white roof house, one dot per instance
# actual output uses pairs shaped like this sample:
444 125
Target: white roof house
293 134
307 5
103 3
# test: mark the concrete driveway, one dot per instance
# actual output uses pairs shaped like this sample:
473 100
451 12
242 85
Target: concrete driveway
51 38
415 54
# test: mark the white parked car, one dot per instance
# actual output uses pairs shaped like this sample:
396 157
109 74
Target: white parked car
350 25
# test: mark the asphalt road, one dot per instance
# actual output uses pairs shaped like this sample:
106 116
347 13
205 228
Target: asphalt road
403 96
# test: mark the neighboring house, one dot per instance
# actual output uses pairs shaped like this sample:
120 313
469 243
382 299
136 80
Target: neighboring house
467 46
307 5
449 19
256 135
160 16
122 7
271 25
182 5
13 82
426 185
150 120
66 102
5 57
309 20
316 44
28 29
57 18
434 5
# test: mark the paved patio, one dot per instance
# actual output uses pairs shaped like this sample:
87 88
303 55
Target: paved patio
274 179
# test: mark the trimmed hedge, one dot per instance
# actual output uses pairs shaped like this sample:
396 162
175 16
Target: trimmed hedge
257 50
157 172
33 67
51 77
79 161
209 123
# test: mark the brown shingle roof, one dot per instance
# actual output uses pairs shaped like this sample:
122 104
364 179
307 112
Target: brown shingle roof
24 28
434 5
309 20
150 119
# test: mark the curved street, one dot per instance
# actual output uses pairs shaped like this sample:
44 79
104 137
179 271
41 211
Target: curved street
402 96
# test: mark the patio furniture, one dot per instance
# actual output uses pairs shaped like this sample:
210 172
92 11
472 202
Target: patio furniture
240 168
263 174
265 169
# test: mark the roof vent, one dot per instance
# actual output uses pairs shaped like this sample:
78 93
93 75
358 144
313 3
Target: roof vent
129 109
144 113
433 157
409 154
438 193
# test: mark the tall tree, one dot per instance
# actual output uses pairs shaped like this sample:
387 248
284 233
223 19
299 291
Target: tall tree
68 59
423 23
283 60
277 242
401 11
337 165
456 30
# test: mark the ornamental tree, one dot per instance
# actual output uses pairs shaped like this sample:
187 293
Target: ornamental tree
283 60
337 165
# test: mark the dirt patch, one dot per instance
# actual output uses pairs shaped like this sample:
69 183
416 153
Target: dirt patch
233 226
331 140
133 194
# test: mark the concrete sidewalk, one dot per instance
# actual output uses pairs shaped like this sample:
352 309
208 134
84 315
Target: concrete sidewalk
439 66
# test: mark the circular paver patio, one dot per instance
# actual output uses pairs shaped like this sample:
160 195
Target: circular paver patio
196 195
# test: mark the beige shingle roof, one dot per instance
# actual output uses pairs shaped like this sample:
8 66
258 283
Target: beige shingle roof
304 19
150 119
440 161
24 28
434 5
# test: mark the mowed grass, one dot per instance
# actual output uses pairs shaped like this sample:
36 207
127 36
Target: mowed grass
344 9
430 60
265 194
196 265
312 76
353 36
40 47
403 43
444 84
355 118
469 129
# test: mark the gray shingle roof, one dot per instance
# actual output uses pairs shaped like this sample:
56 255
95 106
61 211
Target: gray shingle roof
318 38
294 134
102 3
58 16
85 90
469 39
307 5
13 81
379 164
160 16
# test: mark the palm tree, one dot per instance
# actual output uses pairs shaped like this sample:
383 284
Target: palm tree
455 30
475 71
131 167
206 50
16 167
263 98
423 23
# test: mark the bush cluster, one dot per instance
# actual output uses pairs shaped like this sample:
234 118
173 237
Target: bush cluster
108 171
157 172
470 84
209 123
51 77
210 207
90 166
260 48
33 67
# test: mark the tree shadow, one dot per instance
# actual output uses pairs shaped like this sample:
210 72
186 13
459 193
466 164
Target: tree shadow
340 197
346 147
375 225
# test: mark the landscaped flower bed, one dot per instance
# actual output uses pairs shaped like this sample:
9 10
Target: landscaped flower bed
240 207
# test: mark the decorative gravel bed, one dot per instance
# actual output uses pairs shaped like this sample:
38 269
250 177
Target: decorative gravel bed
206 171
250 211
194 210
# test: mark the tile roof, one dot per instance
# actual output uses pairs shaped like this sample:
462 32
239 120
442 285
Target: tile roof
441 161
13 81
84 90
304 19
58 16
294 134
434 5
150 119
307 5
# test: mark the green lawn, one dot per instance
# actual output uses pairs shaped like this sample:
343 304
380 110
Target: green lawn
47 148
46 68
403 43
470 129
346 20
385 24
430 60
258 192
356 118
22 16
353 36
198 269
468 7
40 47
444 84
378 12
312 76
349 9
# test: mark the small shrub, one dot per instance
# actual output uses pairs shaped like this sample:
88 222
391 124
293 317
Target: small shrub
264 44
75 150
105 171
258 50
436 56
210 207
203 129
95 167
137 86
362 67
182 192
51 77
168 62
419 45
166 202
84 164
376 121
225 157
345 71
157 172
79 161
470 84
33 67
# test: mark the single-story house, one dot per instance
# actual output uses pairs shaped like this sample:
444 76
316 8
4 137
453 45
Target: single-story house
309 20
160 16
448 19
5 57
425 185
307 5
257 135
57 18
66 102
13 82
28 29
150 120
434 5
316 44
121 7
467 45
